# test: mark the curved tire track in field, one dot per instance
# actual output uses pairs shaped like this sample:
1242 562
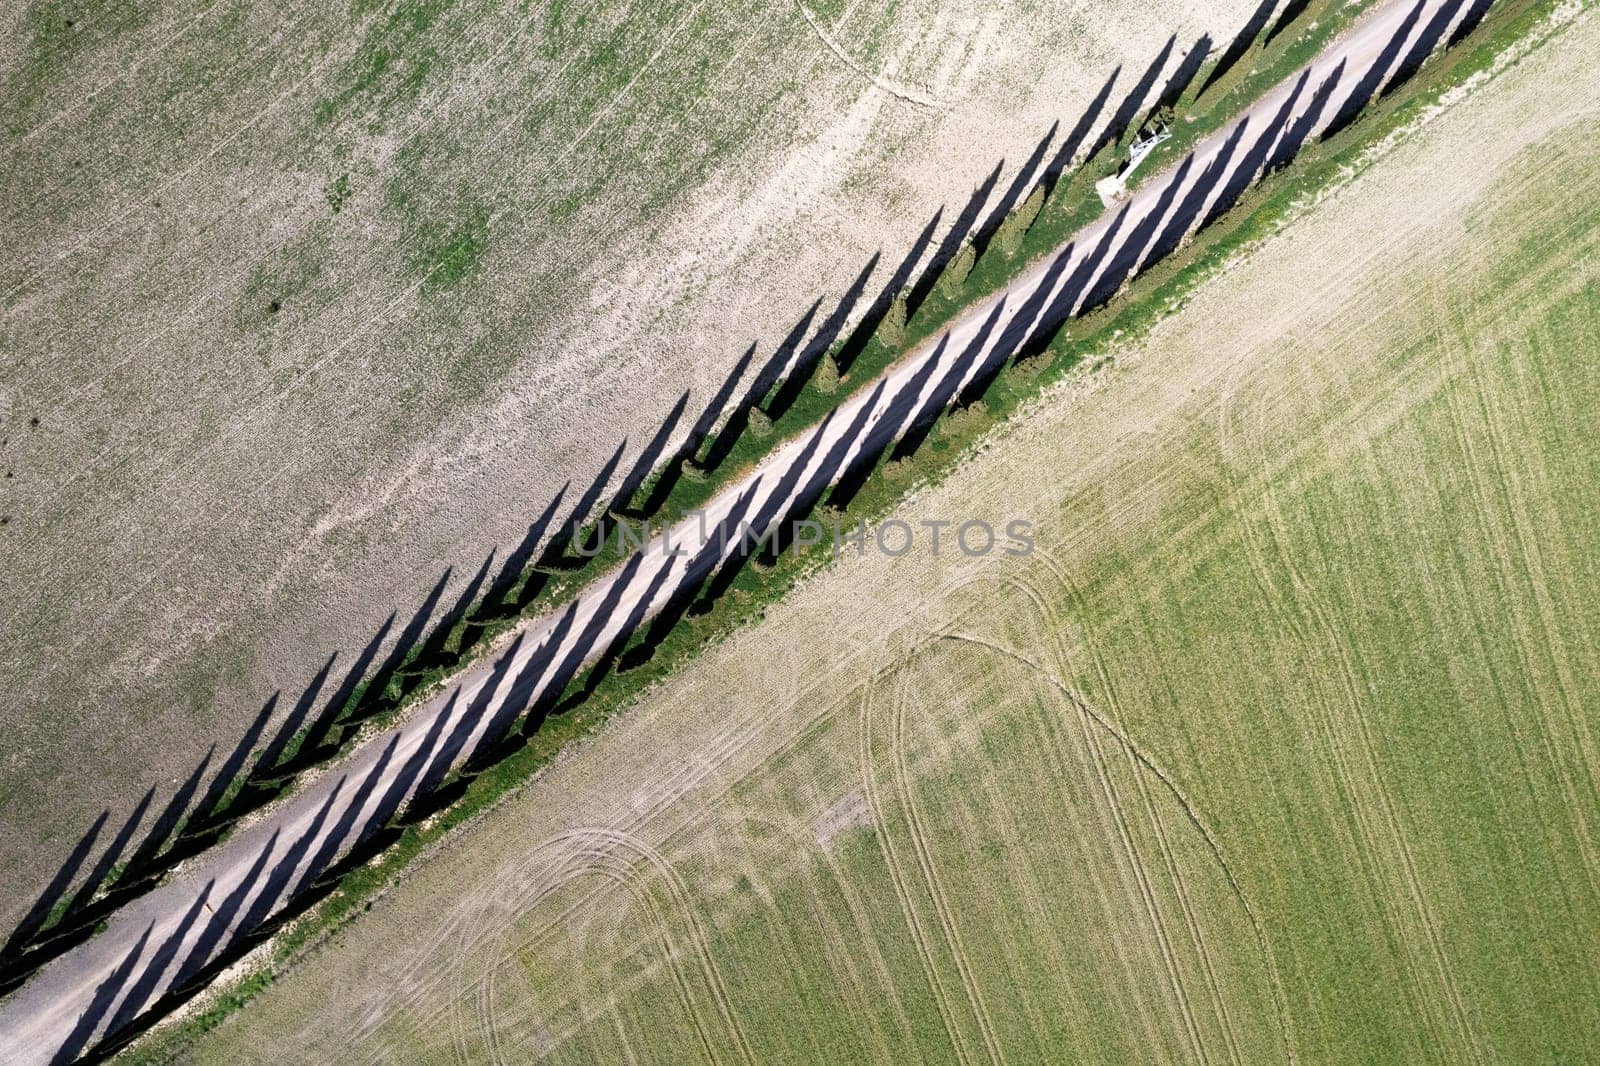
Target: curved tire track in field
1036 597
1192 812
1193 816
895 89
483 933
924 856
604 861
681 900
892 864
827 865
1143 884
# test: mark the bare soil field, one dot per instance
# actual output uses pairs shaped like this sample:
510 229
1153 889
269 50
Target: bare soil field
303 305
1284 741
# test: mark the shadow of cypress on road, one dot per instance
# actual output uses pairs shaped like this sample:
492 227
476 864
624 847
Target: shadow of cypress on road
69 908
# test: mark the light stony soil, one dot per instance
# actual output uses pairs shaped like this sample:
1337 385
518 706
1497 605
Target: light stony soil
1313 566
552 221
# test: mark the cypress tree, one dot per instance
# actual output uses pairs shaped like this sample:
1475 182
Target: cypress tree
892 330
827 377
956 271
1017 224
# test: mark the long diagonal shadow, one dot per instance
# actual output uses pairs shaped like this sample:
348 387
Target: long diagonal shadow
495 602
200 829
1128 254
1028 332
797 376
35 918
958 232
1239 45
648 459
149 981
737 415
105 994
376 693
852 348
220 923
145 864
853 480
774 527
1291 11
1184 74
1469 21
1134 101
554 558
375 832
422 800
323 734
1187 213
1368 85
350 818
677 605
432 652
1022 182
1075 290
604 650
725 569
554 681
292 722
779 525
1062 161
280 884
82 899
1238 179
921 420
1294 138
1418 53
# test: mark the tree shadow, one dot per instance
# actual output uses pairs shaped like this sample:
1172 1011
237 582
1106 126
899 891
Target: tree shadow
1239 45
1286 18
756 534
1183 76
1367 87
796 377
1426 42
554 558
1067 153
1022 183
622 501
1469 21
854 479
953 239
1133 102
864 331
